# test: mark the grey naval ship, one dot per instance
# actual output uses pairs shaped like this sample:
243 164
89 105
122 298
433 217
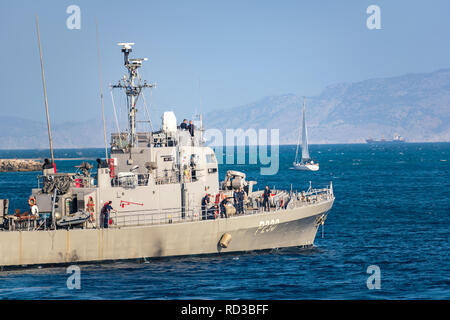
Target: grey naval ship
156 182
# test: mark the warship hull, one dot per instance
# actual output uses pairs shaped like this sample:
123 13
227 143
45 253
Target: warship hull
282 228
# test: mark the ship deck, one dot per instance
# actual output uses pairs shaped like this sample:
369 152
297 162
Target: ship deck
136 218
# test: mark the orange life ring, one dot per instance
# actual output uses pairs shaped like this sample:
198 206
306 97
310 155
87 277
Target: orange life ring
31 200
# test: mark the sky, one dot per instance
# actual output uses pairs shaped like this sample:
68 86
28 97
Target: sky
209 55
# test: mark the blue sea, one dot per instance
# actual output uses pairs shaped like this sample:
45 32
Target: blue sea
391 211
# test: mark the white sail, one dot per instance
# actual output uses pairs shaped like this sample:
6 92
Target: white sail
306 163
298 143
305 151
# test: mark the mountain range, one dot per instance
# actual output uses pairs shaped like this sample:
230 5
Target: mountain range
415 106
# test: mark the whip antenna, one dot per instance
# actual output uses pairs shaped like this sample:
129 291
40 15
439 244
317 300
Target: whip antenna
45 96
101 90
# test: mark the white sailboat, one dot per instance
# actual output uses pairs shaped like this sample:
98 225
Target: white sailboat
306 162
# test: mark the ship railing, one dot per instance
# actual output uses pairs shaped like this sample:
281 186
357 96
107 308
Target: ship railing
190 214
294 199
167 179
76 180
131 180
312 196
142 179
166 216
156 216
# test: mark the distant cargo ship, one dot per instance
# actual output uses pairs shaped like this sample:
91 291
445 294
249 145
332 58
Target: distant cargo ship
397 139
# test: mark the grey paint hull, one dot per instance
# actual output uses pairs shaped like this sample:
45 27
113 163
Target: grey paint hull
283 228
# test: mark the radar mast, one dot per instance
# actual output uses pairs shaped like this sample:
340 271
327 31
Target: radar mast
132 90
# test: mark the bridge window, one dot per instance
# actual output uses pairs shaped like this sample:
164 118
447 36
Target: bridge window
210 158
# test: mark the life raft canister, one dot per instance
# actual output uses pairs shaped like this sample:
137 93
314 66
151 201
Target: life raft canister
32 201
225 240
230 210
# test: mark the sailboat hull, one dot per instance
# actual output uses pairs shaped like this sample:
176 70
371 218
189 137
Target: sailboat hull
306 166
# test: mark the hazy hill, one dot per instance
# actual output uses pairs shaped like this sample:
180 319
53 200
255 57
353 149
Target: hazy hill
416 106
17 133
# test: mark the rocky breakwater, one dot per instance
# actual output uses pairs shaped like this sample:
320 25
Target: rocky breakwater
14 165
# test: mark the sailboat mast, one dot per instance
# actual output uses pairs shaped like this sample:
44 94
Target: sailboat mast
298 143
305 151
45 96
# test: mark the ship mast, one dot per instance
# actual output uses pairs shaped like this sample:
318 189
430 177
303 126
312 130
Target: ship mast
132 90
45 97
101 90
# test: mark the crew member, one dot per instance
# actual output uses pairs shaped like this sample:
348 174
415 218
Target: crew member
90 207
187 174
35 211
184 125
205 202
33 207
223 211
47 164
193 166
107 208
217 201
102 163
103 215
241 201
236 197
191 128
266 196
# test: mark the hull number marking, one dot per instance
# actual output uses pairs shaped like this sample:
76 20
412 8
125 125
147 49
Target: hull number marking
267 225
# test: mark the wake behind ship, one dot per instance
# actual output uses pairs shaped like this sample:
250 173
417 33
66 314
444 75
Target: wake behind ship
167 199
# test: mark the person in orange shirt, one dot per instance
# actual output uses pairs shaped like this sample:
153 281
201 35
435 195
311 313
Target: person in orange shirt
90 207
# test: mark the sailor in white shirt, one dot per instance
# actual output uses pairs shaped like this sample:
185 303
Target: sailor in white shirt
35 211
